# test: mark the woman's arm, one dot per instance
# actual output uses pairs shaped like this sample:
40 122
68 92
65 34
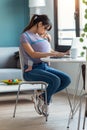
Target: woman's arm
28 48
60 54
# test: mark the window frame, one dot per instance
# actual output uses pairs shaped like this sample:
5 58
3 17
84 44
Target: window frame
77 22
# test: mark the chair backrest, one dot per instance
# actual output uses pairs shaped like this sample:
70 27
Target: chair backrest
21 61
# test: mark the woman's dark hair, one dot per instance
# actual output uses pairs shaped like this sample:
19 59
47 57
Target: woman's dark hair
39 18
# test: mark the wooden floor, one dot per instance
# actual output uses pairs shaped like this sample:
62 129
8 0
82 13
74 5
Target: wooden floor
27 118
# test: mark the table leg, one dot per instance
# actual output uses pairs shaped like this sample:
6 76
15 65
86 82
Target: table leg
75 104
85 115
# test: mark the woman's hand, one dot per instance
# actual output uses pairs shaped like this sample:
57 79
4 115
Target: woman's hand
59 54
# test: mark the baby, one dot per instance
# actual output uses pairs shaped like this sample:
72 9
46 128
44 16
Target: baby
30 62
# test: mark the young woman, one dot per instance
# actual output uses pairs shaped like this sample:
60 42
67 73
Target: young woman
34 47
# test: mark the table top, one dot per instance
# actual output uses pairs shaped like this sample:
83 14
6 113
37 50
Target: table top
64 59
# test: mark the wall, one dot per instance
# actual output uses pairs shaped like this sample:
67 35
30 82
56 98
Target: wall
13 18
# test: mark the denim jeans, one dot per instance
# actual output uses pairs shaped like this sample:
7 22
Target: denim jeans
56 79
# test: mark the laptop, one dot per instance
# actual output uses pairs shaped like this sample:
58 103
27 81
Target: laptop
63 48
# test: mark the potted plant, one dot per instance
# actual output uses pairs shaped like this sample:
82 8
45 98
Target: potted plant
84 34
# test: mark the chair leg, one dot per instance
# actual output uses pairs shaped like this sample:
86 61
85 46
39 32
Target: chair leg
35 91
46 104
16 101
85 115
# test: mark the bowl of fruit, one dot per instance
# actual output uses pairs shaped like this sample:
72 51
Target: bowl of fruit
11 81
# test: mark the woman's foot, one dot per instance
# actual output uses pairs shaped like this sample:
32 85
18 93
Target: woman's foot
45 111
36 104
39 105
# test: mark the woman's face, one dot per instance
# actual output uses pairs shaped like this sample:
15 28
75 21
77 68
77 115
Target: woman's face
41 29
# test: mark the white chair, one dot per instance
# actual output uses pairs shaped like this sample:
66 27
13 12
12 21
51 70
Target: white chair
41 86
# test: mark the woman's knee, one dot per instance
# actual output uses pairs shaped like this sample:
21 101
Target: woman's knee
68 80
54 82
57 81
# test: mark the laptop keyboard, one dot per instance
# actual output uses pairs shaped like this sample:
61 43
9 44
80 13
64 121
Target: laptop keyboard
66 56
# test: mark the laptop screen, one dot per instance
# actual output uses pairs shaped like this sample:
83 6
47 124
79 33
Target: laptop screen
63 48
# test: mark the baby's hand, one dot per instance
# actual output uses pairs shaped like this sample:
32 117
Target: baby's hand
46 36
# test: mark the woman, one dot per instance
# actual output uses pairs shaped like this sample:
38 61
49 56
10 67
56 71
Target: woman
34 47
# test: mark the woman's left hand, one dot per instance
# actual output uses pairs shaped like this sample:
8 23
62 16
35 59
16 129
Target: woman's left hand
60 54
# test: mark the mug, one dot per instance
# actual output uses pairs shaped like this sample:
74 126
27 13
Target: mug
74 53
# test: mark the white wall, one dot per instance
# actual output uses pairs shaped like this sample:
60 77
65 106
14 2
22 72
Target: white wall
71 69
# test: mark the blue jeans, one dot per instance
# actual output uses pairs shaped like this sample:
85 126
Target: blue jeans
57 80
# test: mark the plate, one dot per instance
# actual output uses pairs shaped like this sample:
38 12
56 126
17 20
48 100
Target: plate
11 81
